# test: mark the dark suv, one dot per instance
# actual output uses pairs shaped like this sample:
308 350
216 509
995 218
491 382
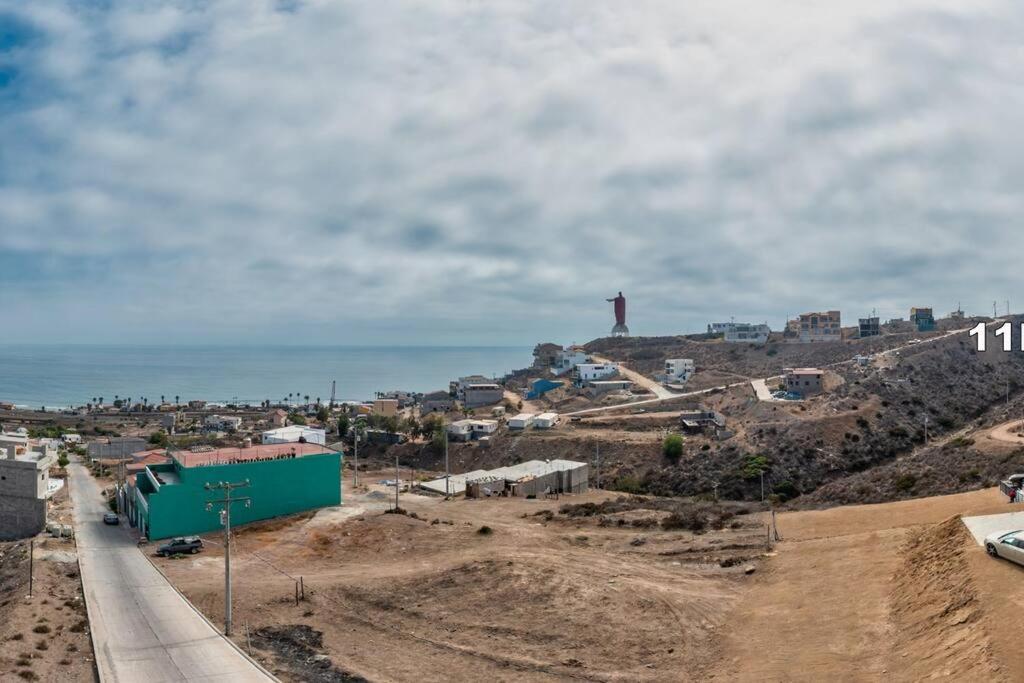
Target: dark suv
178 546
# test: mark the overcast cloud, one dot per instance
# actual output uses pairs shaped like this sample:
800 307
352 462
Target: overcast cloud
472 171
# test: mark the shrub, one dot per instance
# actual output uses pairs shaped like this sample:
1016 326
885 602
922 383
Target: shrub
688 518
41 628
485 530
672 447
41 645
786 490
905 482
628 484
16 636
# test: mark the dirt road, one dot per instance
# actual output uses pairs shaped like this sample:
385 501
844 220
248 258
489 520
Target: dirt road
1007 433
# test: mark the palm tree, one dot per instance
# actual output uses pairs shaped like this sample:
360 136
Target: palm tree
307 399
176 397
161 399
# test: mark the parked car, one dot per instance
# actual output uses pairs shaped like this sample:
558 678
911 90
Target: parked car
1008 545
111 518
179 546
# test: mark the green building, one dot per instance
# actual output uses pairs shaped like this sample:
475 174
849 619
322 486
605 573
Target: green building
170 499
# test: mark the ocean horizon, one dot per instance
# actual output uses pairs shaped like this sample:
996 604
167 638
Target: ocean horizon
67 375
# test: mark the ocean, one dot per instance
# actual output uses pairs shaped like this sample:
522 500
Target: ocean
58 376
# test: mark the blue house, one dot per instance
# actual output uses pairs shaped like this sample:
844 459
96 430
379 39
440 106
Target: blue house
539 387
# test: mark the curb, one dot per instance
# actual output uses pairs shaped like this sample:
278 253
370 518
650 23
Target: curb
213 626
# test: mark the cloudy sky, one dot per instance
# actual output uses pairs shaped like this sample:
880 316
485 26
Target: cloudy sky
490 171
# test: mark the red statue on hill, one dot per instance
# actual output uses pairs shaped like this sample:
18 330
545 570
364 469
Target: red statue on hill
620 329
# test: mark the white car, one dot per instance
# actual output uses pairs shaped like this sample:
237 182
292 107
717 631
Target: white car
1008 545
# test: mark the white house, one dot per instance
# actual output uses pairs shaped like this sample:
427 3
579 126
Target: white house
293 433
592 371
546 420
679 370
71 438
521 421
567 359
482 428
222 423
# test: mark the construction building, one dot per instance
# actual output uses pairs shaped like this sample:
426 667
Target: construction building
477 395
436 402
24 481
534 478
700 420
922 319
598 387
804 381
868 327
823 326
167 500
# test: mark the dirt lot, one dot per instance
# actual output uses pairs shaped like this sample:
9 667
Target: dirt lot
46 636
491 589
897 591
889 591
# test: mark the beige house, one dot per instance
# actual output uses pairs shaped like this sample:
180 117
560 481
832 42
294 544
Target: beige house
385 407
804 381
278 418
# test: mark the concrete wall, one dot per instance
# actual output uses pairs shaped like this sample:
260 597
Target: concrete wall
21 517
22 497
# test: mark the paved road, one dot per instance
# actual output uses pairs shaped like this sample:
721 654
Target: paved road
142 629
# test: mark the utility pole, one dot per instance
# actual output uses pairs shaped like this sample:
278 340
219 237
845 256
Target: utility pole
225 518
447 471
598 446
925 430
355 470
398 482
